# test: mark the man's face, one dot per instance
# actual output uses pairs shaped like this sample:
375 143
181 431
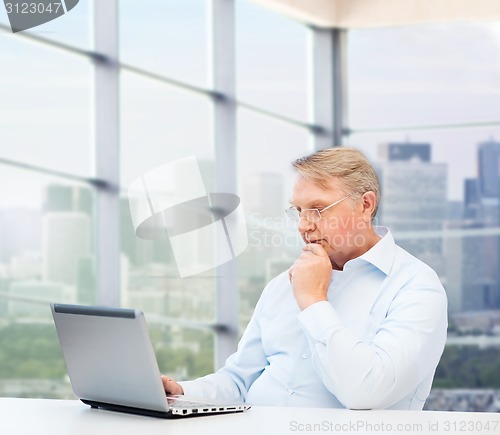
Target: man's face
341 231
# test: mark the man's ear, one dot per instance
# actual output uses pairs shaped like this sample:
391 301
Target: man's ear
369 203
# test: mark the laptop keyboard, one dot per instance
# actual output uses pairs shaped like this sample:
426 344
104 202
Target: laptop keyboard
186 403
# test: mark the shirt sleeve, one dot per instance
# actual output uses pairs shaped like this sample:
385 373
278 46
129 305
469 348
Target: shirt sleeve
405 349
241 369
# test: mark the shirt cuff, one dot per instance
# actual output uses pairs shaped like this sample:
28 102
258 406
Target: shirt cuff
319 318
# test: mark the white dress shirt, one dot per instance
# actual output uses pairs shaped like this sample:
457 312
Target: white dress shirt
375 343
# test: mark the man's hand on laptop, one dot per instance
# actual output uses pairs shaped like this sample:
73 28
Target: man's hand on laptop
171 387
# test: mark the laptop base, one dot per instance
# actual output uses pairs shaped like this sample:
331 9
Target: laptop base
147 412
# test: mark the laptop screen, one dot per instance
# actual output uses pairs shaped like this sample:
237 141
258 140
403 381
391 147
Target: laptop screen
109 356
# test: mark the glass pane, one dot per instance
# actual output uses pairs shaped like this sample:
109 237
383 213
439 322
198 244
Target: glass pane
183 354
4 19
457 148
71 28
271 61
46 255
164 126
424 186
441 199
424 75
174 33
45 107
265 176
160 124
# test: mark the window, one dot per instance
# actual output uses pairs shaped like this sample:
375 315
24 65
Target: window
271 61
157 126
47 198
266 149
167 38
49 125
46 255
426 114
423 75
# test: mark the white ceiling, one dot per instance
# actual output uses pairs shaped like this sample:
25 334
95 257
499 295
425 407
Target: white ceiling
349 14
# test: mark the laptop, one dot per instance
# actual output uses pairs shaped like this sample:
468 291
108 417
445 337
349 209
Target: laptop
112 365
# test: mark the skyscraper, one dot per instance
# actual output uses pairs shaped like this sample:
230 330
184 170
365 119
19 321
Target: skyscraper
86 280
489 181
469 283
480 275
472 198
489 168
414 201
454 281
59 197
403 152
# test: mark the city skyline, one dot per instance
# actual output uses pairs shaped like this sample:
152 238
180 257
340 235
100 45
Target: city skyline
407 173
18 198
149 280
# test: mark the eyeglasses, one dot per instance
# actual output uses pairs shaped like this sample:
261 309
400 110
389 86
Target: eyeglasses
309 214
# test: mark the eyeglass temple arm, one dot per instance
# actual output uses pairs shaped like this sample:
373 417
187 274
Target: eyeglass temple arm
335 203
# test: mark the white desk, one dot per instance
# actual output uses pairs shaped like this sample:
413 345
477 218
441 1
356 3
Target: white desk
71 417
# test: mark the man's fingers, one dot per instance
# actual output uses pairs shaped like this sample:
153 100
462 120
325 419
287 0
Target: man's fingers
304 259
168 384
315 248
165 381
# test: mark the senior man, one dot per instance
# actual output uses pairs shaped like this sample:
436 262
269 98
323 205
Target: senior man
356 322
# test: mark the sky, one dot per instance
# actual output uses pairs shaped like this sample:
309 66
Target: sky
418 75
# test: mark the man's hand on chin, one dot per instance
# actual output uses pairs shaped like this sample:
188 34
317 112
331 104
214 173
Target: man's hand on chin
310 275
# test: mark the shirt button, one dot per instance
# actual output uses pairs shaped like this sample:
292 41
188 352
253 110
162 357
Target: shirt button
304 356
290 392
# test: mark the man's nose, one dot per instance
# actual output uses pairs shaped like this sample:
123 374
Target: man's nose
305 225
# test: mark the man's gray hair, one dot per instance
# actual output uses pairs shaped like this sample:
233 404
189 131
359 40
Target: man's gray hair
347 164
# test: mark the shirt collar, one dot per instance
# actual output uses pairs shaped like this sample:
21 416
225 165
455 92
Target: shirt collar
382 254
